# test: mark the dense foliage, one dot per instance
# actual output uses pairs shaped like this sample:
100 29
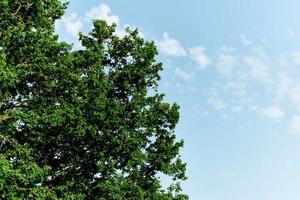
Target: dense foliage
81 124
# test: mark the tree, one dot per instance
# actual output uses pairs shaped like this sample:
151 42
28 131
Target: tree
84 124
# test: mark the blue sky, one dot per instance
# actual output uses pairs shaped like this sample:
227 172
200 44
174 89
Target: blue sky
233 66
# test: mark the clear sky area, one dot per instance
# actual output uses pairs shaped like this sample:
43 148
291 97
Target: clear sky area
233 66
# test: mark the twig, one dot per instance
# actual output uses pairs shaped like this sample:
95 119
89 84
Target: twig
6 139
18 9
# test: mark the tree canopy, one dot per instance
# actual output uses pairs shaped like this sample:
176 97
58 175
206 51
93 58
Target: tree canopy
82 124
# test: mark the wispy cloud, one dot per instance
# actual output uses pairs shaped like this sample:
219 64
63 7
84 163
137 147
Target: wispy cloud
258 68
292 33
294 95
185 75
226 60
273 112
295 124
296 57
170 46
283 88
246 40
215 101
72 23
199 56
237 109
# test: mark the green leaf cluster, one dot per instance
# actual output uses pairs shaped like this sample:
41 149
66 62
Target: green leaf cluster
82 124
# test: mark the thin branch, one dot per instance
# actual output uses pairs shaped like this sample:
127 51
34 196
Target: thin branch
6 139
18 9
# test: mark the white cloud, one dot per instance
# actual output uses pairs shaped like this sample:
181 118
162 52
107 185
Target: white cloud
237 109
283 60
103 12
246 40
183 74
274 112
215 101
227 116
199 56
294 95
170 46
237 85
283 88
289 89
296 57
258 68
72 24
295 124
226 60
292 33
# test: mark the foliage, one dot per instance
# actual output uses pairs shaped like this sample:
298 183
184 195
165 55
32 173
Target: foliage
81 124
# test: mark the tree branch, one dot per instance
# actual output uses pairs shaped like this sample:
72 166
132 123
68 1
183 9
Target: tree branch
15 13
